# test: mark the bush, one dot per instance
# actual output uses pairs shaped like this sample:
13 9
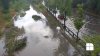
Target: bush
7 16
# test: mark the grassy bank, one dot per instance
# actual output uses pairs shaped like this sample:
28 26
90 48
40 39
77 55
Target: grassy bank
5 20
96 42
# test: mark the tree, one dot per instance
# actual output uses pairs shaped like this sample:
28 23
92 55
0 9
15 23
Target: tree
35 1
78 21
0 3
63 5
5 5
51 4
19 5
93 5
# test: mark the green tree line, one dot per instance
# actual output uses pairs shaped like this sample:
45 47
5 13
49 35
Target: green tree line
17 5
93 5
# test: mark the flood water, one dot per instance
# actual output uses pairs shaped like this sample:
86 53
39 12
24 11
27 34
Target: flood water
41 39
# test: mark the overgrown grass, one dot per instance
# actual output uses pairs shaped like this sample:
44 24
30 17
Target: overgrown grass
7 17
11 43
5 20
96 42
22 14
40 7
20 44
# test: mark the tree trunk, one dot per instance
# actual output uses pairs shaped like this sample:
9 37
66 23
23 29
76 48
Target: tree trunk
77 36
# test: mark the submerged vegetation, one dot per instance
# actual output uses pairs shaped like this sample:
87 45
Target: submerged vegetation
11 42
20 44
35 17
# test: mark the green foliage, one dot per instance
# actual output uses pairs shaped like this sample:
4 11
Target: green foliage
78 23
11 43
7 16
35 1
40 7
68 7
96 42
51 4
80 10
19 44
92 5
22 14
19 5
5 5
63 5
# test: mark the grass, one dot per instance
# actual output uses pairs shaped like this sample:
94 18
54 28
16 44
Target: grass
15 45
11 43
22 14
20 44
96 42
5 20
2 24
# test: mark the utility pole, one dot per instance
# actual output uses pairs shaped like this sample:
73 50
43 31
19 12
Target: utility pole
65 20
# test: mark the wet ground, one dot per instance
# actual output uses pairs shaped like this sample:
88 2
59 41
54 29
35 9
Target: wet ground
93 25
